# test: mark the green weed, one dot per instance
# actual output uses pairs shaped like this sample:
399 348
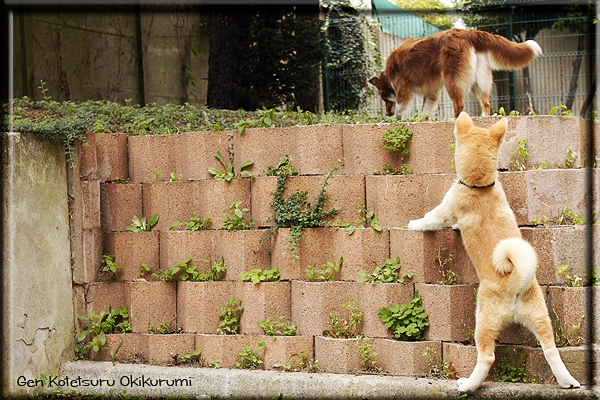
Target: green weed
140 224
235 220
278 327
230 316
195 224
406 321
347 326
388 273
449 276
250 359
229 174
257 275
325 273
366 219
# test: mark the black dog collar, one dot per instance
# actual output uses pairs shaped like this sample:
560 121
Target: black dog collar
477 187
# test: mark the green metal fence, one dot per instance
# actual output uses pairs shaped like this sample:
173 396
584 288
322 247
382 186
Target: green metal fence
564 75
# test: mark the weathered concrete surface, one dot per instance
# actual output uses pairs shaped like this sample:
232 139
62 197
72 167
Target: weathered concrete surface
208 383
37 328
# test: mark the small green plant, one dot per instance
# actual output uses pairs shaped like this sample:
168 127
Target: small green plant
113 321
216 272
387 170
163 328
44 90
347 327
228 174
265 119
562 109
283 167
367 354
195 224
435 370
140 224
172 177
572 279
250 359
303 364
235 220
278 327
542 221
122 180
406 321
110 265
395 140
449 276
325 273
568 217
520 156
366 218
390 272
230 316
180 271
195 357
144 269
511 367
257 275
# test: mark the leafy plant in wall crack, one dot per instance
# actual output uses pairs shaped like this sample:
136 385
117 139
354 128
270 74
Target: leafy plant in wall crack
230 316
325 273
347 326
390 272
235 220
396 140
520 156
406 321
572 279
195 224
278 327
250 359
449 276
257 275
140 224
163 328
366 219
284 167
368 355
110 265
303 364
229 174
99 325
511 367
296 213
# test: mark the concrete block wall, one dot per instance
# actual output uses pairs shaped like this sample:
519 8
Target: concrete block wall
109 204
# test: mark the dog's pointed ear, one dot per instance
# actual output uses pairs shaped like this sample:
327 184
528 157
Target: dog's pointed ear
375 81
498 130
463 124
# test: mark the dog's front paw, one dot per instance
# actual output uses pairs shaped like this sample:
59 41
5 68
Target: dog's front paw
416 224
465 386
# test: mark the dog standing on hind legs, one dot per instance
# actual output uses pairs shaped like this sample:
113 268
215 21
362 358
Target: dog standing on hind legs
505 263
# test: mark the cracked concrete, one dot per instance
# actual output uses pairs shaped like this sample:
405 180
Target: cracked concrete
38 311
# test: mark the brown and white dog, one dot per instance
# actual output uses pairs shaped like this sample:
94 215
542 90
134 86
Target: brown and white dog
505 263
460 59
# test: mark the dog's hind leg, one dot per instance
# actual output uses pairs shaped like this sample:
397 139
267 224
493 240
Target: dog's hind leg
430 101
534 315
484 100
489 320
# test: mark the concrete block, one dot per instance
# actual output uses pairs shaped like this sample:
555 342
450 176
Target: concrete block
200 149
132 248
164 349
363 250
343 192
150 303
162 154
118 204
315 148
86 160
198 304
90 193
176 246
418 252
102 296
568 308
338 356
450 309
428 148
314 302
172 201
214 197
397 199
286 349
225 348
92 256
242 251
515 187
261 301
315 249
407 358
112 154
132 349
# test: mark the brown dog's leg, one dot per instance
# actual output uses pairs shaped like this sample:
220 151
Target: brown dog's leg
457 98
484 100
534 315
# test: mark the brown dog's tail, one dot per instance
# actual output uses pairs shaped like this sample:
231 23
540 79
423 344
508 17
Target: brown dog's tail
504 54
516 257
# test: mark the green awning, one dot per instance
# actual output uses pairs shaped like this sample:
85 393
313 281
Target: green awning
399 22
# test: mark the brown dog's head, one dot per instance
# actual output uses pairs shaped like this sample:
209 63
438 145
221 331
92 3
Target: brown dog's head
476 151
386 91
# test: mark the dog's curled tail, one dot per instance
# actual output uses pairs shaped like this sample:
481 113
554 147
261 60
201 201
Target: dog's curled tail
504 54
516 257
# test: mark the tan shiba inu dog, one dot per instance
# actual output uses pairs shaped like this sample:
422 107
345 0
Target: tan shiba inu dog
505 263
